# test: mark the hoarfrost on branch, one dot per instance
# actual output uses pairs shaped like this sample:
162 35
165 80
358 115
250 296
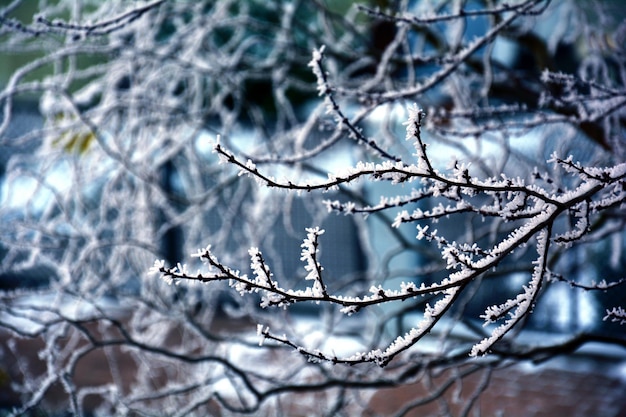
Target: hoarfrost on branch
475 154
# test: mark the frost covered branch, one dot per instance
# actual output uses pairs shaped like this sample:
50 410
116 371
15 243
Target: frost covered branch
507 198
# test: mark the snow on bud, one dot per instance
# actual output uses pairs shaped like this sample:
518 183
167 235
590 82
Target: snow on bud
250 167
259 269
617 314
408 287
317 53
414 120
422 231
315 65
262 333
167 275
215 143
313 268
156 268
400 218
349 310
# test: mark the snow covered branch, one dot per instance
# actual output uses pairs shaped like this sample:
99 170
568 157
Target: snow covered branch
509 199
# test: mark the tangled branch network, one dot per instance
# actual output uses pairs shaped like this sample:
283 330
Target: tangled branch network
426 193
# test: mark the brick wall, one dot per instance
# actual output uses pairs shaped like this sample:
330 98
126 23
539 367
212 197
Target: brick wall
522 391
